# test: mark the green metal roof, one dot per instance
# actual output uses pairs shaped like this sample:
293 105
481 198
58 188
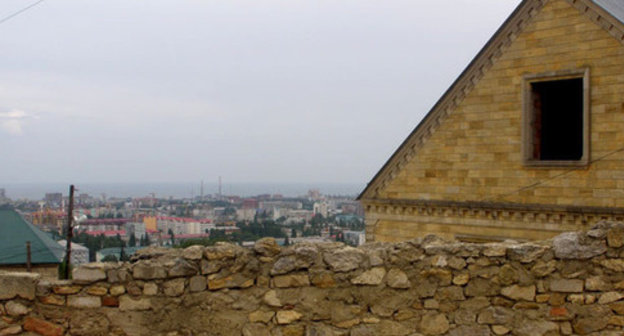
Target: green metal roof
15 231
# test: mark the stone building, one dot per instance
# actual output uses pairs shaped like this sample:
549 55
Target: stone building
526 143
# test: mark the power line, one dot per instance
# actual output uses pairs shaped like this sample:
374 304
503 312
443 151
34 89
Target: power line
9 17
541 182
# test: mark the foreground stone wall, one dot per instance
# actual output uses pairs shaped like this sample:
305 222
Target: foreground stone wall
573 284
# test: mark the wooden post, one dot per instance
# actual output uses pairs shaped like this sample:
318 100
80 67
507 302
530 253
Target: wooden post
70 232
28 257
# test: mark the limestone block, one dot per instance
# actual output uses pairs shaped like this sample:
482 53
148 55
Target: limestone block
89 273
536 328
12 330
287 316
54 300
174 287
291 280
97 290
127 303
610 297
84 301
195 252
434 324
197 283
182 268
42 327
267 247
576 245
525 253
14 308
615 237
270 298
515 292
145 270
371 277
344 259
323 280
150 289
117 290
22 285
397 279
263 316
66 289
542 269
566 285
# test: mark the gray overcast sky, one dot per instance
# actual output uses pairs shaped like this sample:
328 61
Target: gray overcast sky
255 91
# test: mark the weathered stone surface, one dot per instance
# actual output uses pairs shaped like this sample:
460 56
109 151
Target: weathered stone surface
542 269
516 292
397 279
42 327
145 270
616 265
610 297
500 330
597 283
84 301
451 293
110 301
183 268
267 247
127 303
434 324
12 330
292 280
210 267
470 330
525 253
97 290
222 251
66 289
117 290
270 298
536 328
22 285
461 279
495 315
54 300
16 309
263 316
575 245
443 276
481 287
507 275
323 280
232 281
566 285
89 273
588 325
287 316
150 289
195 252
373 277
174 287
344 259
615 237
197 283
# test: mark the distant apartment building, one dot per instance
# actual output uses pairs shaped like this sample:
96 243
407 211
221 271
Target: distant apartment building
177 225
321 208
54 199
355 238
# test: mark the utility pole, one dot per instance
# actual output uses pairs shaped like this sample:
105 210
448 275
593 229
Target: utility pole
28 257
70 231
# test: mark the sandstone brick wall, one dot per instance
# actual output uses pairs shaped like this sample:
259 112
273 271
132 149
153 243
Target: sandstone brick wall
573 284
475 153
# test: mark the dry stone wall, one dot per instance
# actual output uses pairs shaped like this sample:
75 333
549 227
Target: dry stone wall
570 285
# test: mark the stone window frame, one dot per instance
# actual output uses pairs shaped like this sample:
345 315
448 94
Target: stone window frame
527 114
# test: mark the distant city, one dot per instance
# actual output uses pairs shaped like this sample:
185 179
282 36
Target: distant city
111 227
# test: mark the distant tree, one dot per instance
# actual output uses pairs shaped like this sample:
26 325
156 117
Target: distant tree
132 241
286 241
170 232
146 241
119 215
293 233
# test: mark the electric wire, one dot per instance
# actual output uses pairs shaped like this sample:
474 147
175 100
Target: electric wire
10 16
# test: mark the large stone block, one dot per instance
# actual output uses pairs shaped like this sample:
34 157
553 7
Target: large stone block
14 285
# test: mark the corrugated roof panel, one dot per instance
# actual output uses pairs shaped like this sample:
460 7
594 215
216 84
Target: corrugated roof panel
15 231
614 7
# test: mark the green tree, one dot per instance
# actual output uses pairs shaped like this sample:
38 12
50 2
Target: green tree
110 258
132 241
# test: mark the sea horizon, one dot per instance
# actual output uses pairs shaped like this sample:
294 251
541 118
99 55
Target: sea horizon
37 191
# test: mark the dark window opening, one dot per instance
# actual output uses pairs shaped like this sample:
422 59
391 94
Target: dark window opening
557 120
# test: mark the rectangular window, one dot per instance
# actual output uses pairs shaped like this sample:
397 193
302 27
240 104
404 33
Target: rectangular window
556 114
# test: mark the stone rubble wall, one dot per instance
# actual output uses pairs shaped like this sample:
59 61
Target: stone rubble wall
570 285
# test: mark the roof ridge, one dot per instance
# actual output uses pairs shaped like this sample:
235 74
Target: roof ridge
451 98
475 70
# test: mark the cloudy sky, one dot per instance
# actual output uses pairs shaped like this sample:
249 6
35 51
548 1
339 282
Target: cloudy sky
255 91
